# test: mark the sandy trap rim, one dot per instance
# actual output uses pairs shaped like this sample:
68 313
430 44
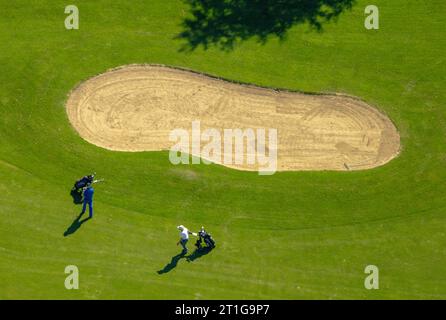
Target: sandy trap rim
240 83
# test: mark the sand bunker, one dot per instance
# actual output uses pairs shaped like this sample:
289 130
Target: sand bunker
134 108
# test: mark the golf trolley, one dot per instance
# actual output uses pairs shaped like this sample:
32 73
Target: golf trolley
205 237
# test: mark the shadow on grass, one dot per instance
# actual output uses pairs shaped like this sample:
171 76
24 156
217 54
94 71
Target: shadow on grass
224 23
172 264
77 223
198 253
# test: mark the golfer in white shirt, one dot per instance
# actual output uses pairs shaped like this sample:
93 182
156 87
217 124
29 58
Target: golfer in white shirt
184 237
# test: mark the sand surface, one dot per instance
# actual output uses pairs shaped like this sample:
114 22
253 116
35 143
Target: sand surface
134 108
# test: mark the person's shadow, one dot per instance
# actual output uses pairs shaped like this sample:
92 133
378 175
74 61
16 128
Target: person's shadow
77 223
173 263
198 253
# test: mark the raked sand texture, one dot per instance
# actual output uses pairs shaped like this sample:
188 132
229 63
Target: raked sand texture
134 108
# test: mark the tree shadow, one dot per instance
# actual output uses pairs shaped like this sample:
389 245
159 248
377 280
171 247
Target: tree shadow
77 223
173 263
224 23
77 196
198 253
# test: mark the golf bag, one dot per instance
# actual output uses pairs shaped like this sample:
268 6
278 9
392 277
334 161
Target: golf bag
205 237
81 184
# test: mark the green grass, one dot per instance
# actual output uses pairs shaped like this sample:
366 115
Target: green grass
291 235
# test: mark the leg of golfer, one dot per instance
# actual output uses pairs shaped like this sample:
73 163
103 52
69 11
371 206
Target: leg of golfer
88 199
183 244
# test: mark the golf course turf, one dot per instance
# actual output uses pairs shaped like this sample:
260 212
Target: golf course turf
292 235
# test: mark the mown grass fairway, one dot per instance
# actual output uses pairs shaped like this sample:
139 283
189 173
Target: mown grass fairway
288 236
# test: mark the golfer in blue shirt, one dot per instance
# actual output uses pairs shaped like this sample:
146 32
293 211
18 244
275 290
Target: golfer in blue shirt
88 199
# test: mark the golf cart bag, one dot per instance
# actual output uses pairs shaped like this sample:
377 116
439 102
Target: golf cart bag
205 237
81 184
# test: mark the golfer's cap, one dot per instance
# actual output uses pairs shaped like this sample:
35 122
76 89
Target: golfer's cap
181 227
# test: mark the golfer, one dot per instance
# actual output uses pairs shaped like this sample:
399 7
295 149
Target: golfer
88 199
184 237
